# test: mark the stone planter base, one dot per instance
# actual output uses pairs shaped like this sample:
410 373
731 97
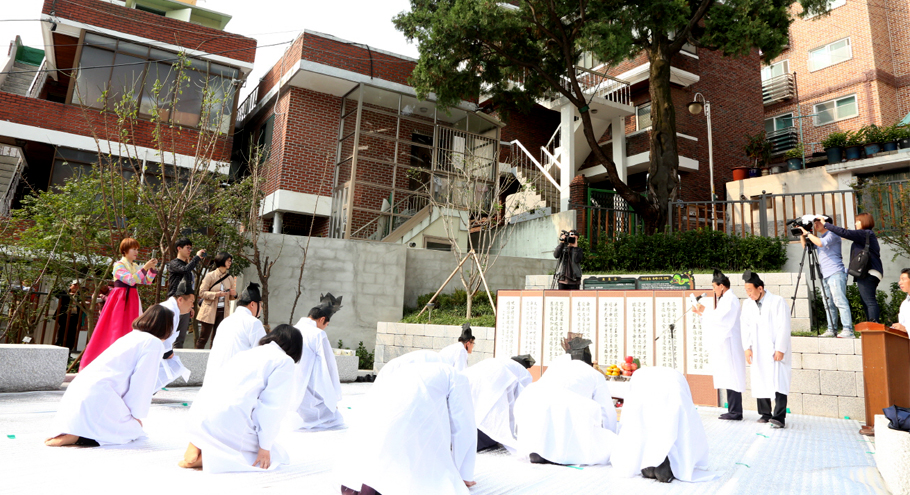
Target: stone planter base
27 367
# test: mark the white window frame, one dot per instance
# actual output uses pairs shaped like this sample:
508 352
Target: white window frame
638 126
768 69
837 118
827 48
779 117
832 4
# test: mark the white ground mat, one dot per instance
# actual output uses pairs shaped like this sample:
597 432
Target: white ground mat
812 455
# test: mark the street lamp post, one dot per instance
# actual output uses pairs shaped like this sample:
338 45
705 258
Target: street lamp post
695 108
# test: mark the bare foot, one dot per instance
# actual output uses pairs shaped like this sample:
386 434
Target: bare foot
61 440
470 483
192 458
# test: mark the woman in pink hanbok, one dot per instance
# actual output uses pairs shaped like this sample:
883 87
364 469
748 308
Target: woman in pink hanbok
122 305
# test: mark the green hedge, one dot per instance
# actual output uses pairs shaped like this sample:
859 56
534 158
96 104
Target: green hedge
697 250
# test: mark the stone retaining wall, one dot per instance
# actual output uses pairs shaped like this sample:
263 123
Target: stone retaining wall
395 339
827 379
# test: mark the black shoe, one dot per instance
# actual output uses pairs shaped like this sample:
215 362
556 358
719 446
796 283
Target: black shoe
731 417
663 473
777 424
536 459
762 420
370 378
648 472
358 379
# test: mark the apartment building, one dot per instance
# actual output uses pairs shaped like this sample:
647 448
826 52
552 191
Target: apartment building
841 72
97 52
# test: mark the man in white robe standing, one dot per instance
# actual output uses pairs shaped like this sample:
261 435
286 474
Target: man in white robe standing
568 416
765 323
721 325
181 303
240 331
318 388
495 385
662 436
457 353
419 436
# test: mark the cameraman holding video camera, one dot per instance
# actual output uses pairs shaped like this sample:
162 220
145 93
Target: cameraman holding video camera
569 255
834 276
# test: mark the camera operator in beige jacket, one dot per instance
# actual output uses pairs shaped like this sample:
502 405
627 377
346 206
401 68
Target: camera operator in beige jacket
216 292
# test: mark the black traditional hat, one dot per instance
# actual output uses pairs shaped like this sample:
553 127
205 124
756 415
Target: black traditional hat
719 277
577 348
251 293
329 301
751 277
466 334
182 289
525 360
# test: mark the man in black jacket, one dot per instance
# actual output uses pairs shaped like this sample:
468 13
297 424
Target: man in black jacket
181 268
569 276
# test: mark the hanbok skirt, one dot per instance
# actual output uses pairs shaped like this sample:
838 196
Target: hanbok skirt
115 321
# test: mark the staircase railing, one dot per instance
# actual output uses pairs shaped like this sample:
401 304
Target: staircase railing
594 83
398 213
534 175
38 82
7 201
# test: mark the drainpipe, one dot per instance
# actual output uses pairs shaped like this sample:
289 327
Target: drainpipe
277 222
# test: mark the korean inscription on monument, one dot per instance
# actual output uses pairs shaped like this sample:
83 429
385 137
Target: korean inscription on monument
640 328
612 330
556 326
697 352
507 326
669 345
531 326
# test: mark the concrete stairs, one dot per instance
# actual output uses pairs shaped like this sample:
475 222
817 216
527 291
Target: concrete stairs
20 79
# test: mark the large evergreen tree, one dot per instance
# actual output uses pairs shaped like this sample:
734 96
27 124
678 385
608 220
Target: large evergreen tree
472 47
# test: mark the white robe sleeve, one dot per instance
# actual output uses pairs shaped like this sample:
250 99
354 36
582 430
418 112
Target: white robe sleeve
330 374
603 397
256 333
463 426
782 327
138 396
747 322
725 316
272 404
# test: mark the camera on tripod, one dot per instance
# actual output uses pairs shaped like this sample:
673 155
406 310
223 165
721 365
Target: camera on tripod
569 236
796 223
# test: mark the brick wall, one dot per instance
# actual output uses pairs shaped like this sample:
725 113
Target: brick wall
154 27
71 119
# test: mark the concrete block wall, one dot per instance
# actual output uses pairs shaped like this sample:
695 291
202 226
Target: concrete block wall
395 339
782 284
826 380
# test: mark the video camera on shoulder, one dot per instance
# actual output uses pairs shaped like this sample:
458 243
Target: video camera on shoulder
569 236
806 221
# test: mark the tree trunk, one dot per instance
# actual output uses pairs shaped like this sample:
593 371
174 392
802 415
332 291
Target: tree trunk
663 178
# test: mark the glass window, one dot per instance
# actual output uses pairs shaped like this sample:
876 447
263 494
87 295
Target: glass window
220 96
643 116
834 110
92 83
832 4
830 54
778 123
158 90
64 171
189 101
126 78
775 70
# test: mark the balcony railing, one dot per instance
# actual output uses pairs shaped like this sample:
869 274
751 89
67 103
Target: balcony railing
783 140
594 83
778 89
245 108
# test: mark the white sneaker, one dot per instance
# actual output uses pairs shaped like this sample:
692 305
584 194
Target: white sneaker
829 333
846 334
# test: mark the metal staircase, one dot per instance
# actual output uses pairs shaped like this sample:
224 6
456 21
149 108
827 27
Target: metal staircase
19 80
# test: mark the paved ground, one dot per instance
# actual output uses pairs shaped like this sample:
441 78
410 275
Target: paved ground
812 456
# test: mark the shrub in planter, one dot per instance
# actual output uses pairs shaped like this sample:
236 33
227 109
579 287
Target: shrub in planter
902 132
834 146
854 144
758 148
795 157
873 136
891 136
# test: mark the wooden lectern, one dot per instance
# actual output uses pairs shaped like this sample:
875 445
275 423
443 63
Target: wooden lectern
886 369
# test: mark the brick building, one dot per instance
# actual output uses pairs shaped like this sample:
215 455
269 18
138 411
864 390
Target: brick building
97 53
351 150
842 71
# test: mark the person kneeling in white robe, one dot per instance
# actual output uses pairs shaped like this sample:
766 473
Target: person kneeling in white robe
237 415
495 385
567 417
661 434
171 367
240 331
106 402
318 387
457 354
419 434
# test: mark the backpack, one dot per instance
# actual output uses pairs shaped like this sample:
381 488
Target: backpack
859 263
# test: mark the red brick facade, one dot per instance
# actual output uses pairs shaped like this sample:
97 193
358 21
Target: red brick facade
154 27
878 73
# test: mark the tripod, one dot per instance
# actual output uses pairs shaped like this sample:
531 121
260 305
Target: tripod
809 251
